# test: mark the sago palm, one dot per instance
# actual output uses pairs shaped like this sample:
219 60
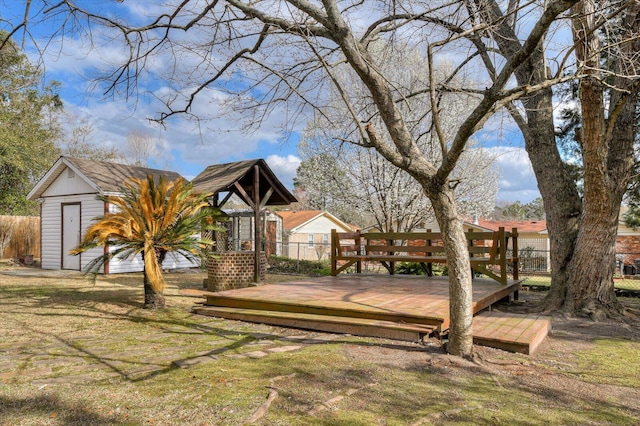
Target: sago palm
151 219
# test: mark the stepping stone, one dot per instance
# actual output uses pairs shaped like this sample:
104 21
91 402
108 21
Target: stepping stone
280 349
255 354
189 362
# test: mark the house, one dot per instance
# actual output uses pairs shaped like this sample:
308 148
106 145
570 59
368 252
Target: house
627 246
533 242
307 233
533 239
67 195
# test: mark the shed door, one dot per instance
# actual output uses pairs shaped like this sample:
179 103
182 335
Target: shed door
271 238
70 235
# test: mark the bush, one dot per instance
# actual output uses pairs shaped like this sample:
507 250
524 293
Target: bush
285 265
414 268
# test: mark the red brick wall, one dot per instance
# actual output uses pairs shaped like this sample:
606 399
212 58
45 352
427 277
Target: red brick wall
628 248
233 269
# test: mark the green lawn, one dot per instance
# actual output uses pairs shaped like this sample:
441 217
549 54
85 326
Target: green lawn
619 283
79 352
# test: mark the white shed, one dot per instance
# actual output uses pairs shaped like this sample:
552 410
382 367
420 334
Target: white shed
67 195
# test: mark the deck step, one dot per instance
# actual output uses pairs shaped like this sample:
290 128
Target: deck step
328 323
336 308
510 332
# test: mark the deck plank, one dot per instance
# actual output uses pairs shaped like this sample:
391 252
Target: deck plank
400 307
512 332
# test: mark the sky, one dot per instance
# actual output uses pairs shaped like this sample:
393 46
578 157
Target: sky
188 145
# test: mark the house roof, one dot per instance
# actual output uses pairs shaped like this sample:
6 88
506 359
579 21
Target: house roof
105 177
524 226
295 219
291 219
238 178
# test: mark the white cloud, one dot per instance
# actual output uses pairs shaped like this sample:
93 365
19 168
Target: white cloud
517 180
285 168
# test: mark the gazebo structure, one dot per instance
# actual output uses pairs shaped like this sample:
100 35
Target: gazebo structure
254 183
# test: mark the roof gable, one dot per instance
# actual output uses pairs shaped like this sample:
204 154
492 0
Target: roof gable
103 176
239 177
293 220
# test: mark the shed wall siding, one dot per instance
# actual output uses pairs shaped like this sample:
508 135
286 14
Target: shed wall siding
68 184
52 227
90 208
172 261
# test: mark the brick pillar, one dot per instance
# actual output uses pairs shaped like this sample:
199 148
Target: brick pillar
233 269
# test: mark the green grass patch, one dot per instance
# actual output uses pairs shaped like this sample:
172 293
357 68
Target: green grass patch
129 359
612 361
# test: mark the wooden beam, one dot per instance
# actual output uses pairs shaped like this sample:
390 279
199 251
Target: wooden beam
224 201
266 197
272 183
256 223
246 196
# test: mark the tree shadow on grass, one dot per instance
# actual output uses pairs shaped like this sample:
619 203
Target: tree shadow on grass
58 411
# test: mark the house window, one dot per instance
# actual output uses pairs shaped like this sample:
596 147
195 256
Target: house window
325 239
310 240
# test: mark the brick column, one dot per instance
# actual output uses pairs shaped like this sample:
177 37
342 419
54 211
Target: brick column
233 269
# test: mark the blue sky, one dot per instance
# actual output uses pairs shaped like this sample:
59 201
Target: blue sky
188 145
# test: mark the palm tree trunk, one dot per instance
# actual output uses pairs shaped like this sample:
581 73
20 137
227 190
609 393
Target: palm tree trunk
153 299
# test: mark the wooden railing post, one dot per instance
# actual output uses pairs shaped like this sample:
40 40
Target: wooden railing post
515 256
470 240
358 242
335 243
428 254
502 238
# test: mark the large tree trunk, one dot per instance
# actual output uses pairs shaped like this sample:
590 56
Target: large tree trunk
460 286
607 138
582 232
562 203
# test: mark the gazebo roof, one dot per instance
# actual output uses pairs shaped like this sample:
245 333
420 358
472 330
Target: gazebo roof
239 177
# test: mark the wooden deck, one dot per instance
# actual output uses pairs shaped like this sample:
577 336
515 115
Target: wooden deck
397 307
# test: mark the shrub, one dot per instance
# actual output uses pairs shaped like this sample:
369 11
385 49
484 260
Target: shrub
414 268
285 265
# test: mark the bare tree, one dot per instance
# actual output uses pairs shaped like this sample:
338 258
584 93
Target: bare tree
142 149
293 51
78 142
355 182
362 181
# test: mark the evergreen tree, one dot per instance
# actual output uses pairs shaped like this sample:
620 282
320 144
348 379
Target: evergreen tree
28 128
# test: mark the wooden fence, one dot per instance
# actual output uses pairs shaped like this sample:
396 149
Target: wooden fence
19 236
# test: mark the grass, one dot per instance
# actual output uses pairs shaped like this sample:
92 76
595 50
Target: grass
619 283
77 352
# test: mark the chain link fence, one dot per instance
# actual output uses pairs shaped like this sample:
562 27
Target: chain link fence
535 270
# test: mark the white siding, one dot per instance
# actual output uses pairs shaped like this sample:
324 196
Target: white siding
172 261
298 246
68 183
320 225
52 227
90 208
